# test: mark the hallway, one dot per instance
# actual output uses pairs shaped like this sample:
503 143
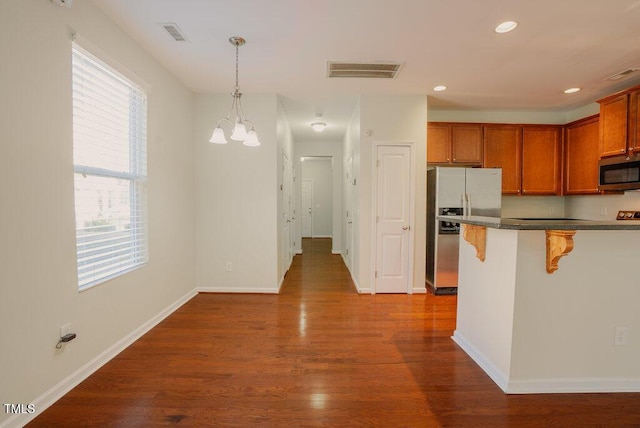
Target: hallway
318 354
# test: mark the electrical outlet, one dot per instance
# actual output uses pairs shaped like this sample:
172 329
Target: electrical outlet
603 211
65 329
228 266
620 336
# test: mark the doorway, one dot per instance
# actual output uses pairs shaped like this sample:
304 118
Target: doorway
316 196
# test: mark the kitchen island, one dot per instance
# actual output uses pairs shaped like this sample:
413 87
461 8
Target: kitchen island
551 305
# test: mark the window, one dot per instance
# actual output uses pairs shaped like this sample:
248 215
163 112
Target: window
110 165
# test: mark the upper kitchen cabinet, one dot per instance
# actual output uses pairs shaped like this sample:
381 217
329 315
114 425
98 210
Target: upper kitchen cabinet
530 157
581 148
619 133
454 143
541 160
503 149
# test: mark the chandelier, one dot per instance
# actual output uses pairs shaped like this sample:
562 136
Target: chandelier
240 122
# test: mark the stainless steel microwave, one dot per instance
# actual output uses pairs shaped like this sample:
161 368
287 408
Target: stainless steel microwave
619 173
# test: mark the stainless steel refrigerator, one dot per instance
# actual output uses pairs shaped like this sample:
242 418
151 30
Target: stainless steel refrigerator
455 191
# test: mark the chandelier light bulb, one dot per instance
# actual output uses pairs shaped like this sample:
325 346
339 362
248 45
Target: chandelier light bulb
252 139
239 132
218 136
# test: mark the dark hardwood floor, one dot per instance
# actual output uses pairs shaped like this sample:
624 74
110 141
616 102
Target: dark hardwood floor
318 354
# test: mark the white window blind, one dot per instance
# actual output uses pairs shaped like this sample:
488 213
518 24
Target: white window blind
110 163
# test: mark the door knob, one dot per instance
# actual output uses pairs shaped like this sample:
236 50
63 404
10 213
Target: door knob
406 227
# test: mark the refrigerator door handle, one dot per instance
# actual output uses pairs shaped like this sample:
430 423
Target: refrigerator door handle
465 204
469 204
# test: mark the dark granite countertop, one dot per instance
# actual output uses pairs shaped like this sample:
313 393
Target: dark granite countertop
543 224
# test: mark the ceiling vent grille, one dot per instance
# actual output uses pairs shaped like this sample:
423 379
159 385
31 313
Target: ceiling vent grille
376 70
174 31
622 74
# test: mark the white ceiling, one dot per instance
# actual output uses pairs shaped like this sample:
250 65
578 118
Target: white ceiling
558 44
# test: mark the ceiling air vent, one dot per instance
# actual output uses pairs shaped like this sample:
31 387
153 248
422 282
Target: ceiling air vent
377 70
622 74
174 31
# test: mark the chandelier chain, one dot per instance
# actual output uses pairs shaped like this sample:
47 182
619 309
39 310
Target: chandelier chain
237 87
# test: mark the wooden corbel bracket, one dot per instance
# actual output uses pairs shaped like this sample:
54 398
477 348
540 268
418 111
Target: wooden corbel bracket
559 243
476 236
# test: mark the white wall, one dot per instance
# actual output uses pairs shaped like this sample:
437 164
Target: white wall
486 294
533 206
391 118
237 199
538 332
519 117
39 290
320 172
602 207
489 116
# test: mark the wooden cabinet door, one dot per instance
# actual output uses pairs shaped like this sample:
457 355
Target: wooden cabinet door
438 143
541 155
613 125
634 121
581 143
466 144
502 149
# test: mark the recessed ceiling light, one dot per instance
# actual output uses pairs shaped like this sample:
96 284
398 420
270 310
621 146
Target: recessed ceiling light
506 26
571 90
439 88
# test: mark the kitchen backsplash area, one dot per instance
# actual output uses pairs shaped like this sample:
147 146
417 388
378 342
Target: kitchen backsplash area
602 207
591 207
533 206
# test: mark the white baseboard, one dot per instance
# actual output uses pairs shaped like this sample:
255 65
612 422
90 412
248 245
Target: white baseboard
494 372
418 290
67 384
573 385
550 385
336 252
322 236
298 251
248 290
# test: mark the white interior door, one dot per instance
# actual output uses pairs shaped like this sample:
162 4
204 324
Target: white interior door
292 238
349 214
306 216
393 219
286 250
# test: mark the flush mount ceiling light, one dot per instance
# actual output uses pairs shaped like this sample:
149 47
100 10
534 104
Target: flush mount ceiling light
439 88
506 26
571 90
318 126
240 122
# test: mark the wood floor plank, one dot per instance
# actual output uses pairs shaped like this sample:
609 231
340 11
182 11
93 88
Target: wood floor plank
316 355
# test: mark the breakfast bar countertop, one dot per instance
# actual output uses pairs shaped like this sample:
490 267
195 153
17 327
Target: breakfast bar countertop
543 223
